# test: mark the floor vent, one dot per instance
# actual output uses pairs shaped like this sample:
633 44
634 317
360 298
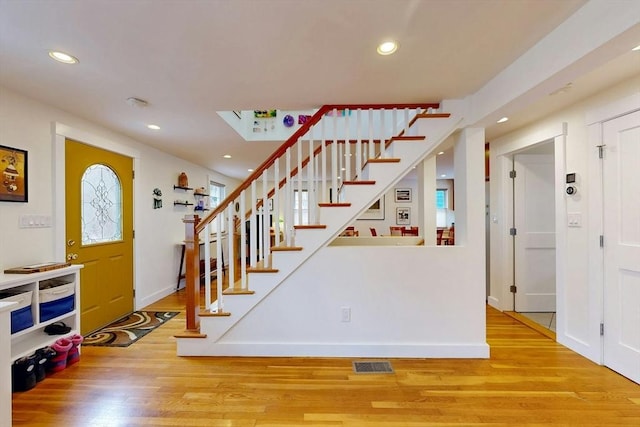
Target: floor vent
378 367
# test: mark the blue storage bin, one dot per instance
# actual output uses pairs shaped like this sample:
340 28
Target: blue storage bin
21 318
55 308
21 315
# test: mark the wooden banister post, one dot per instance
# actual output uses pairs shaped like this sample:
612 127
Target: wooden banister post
192 277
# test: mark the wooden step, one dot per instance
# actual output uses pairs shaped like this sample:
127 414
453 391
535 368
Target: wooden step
433 115
408 138
359 183
286 248
215 314
260 268
309 226
190 334
334 205
384 160
238 291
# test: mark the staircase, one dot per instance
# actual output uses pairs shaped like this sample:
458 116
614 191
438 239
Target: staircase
356 153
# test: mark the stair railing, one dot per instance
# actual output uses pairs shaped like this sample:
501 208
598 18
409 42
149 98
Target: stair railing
308 169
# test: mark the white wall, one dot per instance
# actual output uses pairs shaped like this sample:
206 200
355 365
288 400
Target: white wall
27 124
578 305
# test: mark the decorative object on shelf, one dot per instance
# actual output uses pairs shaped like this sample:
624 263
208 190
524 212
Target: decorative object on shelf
303 118
288 120
403 195
157 198
403 216
13 163
200 195
183 180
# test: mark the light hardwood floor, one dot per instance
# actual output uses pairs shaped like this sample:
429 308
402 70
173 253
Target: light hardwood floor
529 381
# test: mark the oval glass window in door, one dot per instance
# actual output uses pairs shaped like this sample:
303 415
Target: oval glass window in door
101 215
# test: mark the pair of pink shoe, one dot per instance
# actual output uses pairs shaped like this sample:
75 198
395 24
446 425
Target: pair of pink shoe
67 352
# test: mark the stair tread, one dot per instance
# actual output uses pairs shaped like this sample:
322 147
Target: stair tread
285 248
384 160
238 291
190 334
309 226
408 138
261 270
359 183
334 205
215 314
433 115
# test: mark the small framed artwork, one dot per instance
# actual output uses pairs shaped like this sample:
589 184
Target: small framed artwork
403 216
13 166
375 211
403 195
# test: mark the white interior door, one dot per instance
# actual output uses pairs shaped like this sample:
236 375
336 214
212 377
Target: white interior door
621 175
535 240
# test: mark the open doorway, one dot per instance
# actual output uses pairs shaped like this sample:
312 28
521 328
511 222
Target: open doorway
534 234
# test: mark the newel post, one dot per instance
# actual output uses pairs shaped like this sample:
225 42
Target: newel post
192 277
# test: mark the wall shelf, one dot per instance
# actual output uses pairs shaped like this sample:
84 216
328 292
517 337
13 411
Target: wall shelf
177 187
176 203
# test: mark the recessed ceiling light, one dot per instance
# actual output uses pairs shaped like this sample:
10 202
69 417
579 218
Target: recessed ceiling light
153 127
637 48
63 57
444 175
440 153
387 48
249 170
227 156
502 120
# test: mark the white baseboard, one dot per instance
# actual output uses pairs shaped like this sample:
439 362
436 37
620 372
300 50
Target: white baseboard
199 347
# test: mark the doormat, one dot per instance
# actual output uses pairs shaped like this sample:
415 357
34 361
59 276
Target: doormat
129 329
379 367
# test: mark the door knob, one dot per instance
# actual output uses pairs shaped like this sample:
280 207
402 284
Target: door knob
71 256
71 242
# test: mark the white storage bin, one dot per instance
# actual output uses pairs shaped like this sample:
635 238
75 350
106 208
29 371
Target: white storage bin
56 301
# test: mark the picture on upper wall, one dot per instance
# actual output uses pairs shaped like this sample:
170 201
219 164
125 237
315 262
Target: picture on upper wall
403 195
13 163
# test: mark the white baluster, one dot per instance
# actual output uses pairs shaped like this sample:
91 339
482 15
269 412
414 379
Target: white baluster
334 159
383 152
276 201
207 267
219 277
288 218
299 181
243 241
323 166
265 242
230 249
347 147
370 143
253 237
394 122
359 144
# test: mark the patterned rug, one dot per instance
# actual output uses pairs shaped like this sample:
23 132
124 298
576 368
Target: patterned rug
124 332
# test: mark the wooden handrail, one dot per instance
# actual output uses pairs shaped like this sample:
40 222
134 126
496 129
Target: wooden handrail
290 142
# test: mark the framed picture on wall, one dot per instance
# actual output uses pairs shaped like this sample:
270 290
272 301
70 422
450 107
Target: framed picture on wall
14 182
403 216
403 195
375 211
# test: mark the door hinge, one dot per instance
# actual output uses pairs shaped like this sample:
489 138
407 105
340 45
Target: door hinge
601 241
513 231
134 234
133 174
513 289
601 329
601 151
134 292
512 174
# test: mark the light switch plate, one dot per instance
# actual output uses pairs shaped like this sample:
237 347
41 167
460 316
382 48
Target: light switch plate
574 219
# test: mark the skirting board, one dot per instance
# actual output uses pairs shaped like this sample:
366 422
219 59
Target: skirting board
199 347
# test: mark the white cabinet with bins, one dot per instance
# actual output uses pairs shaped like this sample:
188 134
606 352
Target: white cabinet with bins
28 340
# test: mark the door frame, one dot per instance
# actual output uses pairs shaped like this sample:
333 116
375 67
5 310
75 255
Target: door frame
59 134
501 218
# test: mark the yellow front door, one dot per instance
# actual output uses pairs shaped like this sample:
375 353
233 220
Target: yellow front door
99 224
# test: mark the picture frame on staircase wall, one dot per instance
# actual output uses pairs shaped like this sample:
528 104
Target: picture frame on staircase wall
375 211
403 216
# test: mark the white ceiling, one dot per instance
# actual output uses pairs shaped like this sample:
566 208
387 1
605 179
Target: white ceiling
191 58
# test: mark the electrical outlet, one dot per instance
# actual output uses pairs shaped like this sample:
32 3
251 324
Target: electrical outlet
345 314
